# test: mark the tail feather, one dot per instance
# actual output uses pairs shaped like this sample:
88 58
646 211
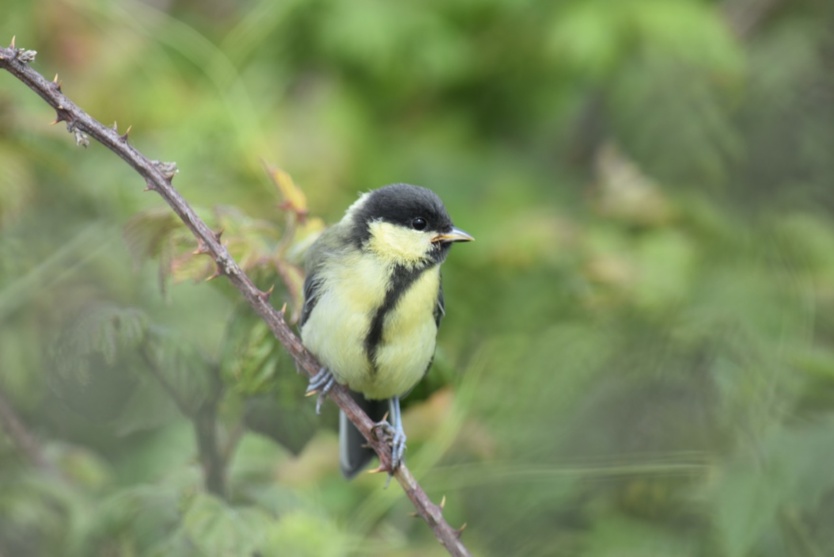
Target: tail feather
354 454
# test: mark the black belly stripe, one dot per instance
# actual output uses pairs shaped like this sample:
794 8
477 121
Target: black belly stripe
401 279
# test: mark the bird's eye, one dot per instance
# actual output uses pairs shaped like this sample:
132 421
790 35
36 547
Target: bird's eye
419 223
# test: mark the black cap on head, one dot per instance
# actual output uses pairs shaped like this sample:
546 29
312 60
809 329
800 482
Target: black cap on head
401 204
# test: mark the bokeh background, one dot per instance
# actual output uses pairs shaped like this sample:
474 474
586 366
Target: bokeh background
638 353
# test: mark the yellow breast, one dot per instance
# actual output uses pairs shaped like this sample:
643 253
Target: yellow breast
338 325
409 335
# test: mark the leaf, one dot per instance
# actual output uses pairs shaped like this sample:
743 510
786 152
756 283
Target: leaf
587 36
147 233
139 515
293 198
218 529
259 368
616 536
159 234
691 31
101 330
303 534
666 265
251 357
81 466
786 471
182 367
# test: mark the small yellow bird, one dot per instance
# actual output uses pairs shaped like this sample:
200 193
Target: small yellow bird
372 304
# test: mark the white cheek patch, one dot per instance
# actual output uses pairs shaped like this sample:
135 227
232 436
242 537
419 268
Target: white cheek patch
351 211
399 245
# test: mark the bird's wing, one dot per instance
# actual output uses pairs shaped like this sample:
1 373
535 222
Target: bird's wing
316 256
312 288
439 307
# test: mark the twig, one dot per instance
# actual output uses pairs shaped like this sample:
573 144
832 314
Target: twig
19 435
158 176
181 404
204 421
205 429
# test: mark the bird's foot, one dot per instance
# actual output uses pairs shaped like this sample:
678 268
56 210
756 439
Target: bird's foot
394 436
321 384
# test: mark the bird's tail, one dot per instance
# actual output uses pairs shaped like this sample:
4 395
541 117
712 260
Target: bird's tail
354 453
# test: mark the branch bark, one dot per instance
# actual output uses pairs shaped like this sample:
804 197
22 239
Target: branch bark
158 176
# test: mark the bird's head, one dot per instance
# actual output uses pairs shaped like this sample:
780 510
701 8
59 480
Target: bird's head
404 225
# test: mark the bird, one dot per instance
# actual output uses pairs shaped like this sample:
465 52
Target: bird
373 302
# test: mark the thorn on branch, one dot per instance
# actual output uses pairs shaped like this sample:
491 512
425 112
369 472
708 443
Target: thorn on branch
11 44
202 248
218 270
218 234
61 115
460 530
56 83
168 169
123 137
264 295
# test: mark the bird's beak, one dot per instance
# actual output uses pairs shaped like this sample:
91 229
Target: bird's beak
454 235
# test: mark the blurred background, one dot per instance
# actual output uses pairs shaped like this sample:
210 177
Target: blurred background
638 352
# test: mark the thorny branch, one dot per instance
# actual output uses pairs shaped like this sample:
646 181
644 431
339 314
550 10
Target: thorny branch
158 176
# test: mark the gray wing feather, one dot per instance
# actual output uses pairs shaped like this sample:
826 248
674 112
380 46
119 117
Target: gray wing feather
440 307
321 250
312 287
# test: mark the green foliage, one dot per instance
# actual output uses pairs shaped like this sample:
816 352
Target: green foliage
101 332
213 528
638 352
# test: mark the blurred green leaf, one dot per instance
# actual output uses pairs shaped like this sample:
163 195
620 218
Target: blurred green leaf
666 267
303 534
762 488
618 537
215 528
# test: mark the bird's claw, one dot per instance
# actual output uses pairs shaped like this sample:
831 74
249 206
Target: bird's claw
321 383
397 450
395 437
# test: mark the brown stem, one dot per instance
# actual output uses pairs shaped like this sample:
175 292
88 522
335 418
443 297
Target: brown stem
158 177
205 428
